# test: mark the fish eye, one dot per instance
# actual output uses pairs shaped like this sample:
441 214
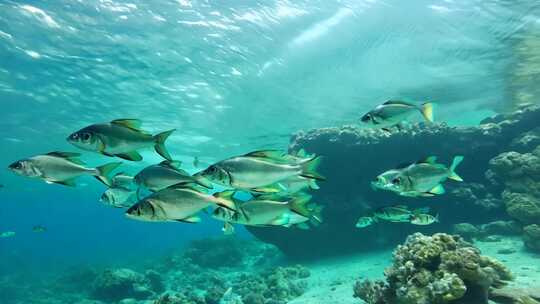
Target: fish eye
138 211
85 136
366 117
396 181
212 169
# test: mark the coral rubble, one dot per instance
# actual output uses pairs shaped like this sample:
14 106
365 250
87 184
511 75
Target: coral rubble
435 270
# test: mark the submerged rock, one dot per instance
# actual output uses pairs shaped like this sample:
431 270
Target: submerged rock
118 284
435 269
531 237
353 157
466 231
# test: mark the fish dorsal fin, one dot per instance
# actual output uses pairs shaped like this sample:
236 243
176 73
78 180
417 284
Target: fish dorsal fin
428 160
134 124
272 154
71 156
175 164
397 102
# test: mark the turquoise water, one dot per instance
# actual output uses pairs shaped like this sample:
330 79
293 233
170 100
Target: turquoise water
230 77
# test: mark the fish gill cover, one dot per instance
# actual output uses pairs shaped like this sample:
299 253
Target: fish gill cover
394 98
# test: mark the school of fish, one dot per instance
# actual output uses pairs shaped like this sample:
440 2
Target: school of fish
275 183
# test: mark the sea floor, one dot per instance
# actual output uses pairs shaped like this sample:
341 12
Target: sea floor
332 280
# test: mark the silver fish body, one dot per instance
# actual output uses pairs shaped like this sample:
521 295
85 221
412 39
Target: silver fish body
61 168
161 176
119 197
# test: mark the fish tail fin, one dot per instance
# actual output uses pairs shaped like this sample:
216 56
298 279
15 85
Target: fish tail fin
427 111
299 204
309 169
453 175
313 184
437 218
103 173
160 144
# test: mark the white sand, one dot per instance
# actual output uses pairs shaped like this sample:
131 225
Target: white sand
332 280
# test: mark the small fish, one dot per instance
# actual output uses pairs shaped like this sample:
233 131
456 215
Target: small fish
7 234
365 221
423 178
178 203
166 174
396 214
119 197
267 210
424 219
61 168
256 170
121 138
39 228
394 112
196 162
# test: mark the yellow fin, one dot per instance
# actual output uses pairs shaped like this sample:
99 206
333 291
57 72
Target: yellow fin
134 124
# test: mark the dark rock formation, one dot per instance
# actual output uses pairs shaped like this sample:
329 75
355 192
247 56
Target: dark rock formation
353 157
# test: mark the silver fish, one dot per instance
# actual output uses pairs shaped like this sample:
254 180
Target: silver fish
121 138
423 178
258 169
119 197
267 211
393 112
178 203
365 221
61 168
424 219
165 174
123 180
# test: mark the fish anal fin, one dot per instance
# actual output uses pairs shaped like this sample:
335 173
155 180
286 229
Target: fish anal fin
134 124
67 182
439 189
133 156
280 220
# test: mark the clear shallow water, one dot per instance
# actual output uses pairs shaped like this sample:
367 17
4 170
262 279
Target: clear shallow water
231 77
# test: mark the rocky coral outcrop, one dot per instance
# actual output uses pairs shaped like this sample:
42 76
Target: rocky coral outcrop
531 237
435 270
118 284
353 157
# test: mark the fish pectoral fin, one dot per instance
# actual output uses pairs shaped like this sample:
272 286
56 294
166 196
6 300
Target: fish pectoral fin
281 220
386 130
191 219
68 182
133 124
439 189
133 156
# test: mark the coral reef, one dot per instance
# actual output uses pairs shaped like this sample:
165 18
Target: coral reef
347 193
519 176
531 237
435 270
118 284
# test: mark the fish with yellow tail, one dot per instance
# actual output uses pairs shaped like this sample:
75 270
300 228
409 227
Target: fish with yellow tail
258 171
423 178
179 202
121 138
395 112
269 210
61 168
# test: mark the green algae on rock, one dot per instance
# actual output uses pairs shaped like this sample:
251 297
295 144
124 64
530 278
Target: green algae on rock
436 269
